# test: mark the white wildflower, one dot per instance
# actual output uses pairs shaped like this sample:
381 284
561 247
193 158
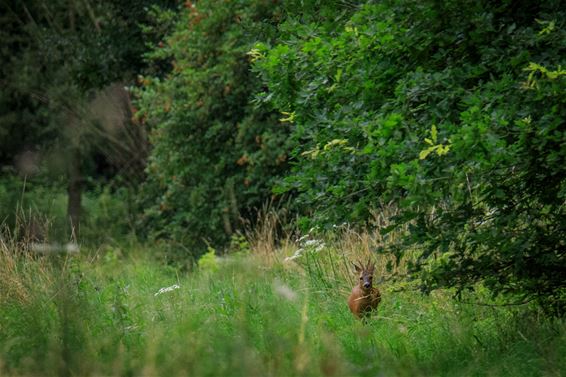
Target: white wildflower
315 245
309 246
167 289
297 254
311 242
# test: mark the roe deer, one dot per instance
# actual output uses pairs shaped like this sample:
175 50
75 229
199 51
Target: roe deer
364 297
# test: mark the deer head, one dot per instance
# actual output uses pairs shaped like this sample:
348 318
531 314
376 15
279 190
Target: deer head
365 274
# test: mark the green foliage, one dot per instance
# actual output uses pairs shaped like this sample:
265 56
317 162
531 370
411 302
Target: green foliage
458 120
208 262
440 149
215 154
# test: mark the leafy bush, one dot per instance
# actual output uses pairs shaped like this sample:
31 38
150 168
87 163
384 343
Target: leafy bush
208 262
215 154
457 120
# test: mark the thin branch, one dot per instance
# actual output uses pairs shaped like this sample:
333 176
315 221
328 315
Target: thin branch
92 16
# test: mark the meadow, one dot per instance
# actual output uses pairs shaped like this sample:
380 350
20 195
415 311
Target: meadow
265 309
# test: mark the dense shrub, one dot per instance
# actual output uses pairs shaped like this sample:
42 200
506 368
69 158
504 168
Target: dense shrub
455 111
215 154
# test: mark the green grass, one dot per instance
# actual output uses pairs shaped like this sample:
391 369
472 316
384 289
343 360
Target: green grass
253 316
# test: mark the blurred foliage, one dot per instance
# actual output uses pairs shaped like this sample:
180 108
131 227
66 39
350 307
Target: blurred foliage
63 110
36 210
453 110
215 154
54 55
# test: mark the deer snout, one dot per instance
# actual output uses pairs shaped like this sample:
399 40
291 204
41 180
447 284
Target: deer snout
367 284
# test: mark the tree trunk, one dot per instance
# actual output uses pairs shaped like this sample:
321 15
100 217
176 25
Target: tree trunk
74 190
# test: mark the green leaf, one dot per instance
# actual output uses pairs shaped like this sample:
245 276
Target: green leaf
433 133
426 152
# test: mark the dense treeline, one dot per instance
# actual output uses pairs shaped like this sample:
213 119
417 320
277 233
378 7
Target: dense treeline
450 113
457 121
215 154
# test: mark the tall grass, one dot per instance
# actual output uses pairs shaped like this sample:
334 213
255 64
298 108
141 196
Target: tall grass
257 313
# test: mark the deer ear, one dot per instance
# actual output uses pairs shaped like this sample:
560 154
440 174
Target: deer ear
356 267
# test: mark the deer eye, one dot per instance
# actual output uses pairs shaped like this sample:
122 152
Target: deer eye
361 278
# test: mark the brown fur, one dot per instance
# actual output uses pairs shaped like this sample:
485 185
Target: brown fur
363 300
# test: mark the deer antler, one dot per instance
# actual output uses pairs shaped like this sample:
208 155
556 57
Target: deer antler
370 264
